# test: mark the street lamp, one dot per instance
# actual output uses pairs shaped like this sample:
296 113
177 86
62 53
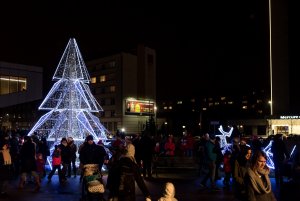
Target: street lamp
271 108
270 49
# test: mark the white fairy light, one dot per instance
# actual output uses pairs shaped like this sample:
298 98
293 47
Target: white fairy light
70 103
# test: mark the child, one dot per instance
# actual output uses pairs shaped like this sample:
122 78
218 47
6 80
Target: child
40 165
169 193
56 163
227 168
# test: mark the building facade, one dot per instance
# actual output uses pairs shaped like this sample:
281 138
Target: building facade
124 84
20 86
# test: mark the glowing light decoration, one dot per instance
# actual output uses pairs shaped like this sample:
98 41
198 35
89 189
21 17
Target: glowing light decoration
223 141
70 103
228 146
269 154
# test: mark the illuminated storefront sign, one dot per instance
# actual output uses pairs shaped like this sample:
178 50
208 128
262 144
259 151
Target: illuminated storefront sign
139 107
289 117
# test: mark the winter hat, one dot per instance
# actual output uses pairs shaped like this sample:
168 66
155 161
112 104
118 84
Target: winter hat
89 137
169 193
212 136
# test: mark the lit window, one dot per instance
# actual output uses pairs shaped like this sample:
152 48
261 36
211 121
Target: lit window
244 107
217 103
112 88
204 108
4 83
179 102
112 64
170 107
22 84
230 102
165 108
102 78
223 98
93 80
12 84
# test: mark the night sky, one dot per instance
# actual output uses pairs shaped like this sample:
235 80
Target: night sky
226 42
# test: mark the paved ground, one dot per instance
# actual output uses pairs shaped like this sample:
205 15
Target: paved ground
186 183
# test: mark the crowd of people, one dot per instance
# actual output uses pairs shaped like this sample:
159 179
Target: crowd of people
245 164
130 161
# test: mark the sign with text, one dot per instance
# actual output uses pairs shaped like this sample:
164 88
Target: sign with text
139 107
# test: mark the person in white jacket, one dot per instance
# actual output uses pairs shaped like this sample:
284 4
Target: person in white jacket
169 193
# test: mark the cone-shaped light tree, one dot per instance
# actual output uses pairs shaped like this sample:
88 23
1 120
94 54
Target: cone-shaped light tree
70 102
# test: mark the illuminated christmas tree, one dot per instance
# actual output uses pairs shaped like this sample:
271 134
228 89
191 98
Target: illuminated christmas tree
70 103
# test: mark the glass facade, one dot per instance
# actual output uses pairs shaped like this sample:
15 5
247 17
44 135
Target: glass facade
12 84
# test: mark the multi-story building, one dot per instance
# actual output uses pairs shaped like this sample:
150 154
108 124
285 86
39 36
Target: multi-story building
203 114
20 87
125 86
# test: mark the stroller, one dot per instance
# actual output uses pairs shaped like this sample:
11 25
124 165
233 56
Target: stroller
92 184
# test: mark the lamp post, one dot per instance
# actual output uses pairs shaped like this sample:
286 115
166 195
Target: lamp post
155 113
271 64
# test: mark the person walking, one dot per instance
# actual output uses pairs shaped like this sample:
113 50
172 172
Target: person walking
56 163
210 160
73 151
123 176
65 158
257 179
28 164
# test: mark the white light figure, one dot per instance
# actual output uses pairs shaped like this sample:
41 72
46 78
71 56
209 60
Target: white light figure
70 103
269 154
223 141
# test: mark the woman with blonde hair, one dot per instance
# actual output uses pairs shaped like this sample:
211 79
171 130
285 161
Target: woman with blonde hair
257 179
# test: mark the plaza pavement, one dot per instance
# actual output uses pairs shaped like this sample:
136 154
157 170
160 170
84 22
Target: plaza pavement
187 184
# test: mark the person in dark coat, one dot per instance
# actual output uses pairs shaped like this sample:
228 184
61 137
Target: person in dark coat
91 153
73 151
65 158
147 145
280 155
28 164
121 181
43 149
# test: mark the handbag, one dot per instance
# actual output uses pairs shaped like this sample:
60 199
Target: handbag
95 187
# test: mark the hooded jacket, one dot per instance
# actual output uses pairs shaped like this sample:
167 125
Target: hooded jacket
169 193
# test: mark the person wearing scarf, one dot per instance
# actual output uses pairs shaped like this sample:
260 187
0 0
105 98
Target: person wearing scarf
5 167
257 179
